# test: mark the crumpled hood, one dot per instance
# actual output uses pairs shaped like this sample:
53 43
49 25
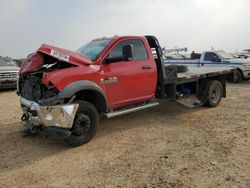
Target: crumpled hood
35 61
65 55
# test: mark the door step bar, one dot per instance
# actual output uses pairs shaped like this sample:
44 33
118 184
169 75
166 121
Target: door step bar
129 110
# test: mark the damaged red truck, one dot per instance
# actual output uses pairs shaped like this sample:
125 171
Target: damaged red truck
63 93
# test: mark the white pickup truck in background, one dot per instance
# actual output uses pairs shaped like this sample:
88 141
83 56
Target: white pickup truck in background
216 59
8 73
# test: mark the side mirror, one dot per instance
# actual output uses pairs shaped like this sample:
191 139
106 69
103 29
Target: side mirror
127 55
127 52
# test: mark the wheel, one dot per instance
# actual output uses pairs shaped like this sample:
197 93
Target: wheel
237 77
85 124
213 93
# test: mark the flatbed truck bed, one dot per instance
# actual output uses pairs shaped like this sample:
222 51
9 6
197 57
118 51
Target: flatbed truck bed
203 71
194 73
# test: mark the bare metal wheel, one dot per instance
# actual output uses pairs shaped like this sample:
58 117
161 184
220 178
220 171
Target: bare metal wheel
85 124
213 93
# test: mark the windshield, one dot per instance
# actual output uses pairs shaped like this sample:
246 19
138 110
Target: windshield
94 48
5 63
225 55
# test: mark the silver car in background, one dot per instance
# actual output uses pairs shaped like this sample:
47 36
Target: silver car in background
8 73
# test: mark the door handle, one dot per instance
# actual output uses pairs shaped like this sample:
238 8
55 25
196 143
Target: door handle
146 67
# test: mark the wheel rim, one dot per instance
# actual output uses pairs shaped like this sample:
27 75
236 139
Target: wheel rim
82 124
215 94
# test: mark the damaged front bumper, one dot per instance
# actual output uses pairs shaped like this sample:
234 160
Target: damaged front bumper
59 116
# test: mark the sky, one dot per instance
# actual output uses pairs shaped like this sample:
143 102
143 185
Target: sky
196 24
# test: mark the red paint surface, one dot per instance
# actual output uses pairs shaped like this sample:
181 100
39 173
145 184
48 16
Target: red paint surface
33 63
134 84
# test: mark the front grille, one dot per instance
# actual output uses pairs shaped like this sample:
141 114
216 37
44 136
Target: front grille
5 75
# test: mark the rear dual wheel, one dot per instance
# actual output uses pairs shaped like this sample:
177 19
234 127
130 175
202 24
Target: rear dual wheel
213 92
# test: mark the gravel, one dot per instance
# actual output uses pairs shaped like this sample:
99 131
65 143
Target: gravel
165 146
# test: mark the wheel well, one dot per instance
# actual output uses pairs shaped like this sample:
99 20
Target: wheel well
231 76
221 79
94 98
240 72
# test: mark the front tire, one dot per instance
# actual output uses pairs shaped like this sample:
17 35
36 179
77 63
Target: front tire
213 93
85 124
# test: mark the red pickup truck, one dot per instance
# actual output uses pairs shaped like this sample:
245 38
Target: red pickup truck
63 93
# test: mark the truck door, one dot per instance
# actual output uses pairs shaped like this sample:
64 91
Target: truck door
211 59
133 81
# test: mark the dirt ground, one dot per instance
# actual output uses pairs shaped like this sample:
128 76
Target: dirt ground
165 146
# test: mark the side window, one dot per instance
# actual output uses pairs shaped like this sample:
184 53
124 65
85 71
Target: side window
139 51
209 56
